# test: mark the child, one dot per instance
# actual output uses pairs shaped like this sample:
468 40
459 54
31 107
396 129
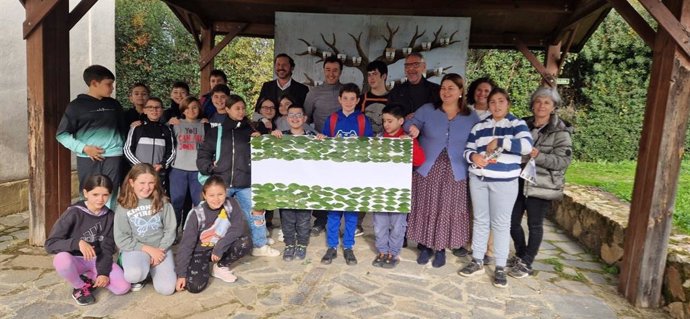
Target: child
295 222
494 149
348 122
282 119
145 230
93 127
179 91
217 77
219 96
82 240
138 95
152 142
189 134
215 231
233 165
267 111
389 228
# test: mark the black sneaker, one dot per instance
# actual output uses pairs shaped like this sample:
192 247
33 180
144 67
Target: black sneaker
391 261
500 279
475 267
512 261
424 255
83 295
405 242
359 231
328 257
301 252
439 259
460 252
138 286
289 253
87 281
380 259
316 230
520 270
349 256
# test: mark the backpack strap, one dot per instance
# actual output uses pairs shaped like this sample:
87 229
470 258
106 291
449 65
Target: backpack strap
361 123
333 120
200 216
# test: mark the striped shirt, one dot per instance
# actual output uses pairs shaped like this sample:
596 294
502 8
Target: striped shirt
515 139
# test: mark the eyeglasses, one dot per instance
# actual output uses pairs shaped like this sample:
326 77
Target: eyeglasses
295 115
153 107
413 65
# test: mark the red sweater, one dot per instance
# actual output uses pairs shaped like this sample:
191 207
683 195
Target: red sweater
418 157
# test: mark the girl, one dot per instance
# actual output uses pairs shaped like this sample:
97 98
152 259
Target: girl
145 230
189 134
215 231
82 240
494 149
267 110
282 118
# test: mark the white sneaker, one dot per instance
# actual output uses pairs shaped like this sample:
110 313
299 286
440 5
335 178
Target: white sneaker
281 237
265 251
270 241
223 273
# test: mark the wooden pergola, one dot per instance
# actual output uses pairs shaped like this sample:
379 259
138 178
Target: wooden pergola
555 26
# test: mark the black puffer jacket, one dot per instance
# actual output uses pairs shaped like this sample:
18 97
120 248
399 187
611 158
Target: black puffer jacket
234 162
555 153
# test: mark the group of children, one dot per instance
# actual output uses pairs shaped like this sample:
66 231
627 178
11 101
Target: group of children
196 138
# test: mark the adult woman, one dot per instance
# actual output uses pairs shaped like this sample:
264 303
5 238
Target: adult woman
478 92
440 216
552 153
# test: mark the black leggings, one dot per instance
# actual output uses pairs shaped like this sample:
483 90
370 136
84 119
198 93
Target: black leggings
537 209
198 272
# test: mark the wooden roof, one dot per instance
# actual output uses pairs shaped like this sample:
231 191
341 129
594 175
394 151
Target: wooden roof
495 23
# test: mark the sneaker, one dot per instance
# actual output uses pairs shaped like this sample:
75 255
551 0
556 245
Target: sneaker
439 259
265 251
316 230
349 256
281 237
391 261
328 257
424 256
223 273
301 252
270 241
489 260
87 281
475 267
380 259
138 286
500 279
460 252
289 253
512 261
83 295
359 231
520 270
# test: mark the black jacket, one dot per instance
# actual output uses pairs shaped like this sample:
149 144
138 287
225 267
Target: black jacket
414 96
296 90
234 162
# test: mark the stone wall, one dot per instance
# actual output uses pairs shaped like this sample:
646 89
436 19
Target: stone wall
598 221
14 195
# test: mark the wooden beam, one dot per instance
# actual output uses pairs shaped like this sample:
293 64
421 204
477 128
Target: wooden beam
39 10
541 69
635 20
658 166
207 43
254 29
552 61
47 60
79 11
208 57
669 23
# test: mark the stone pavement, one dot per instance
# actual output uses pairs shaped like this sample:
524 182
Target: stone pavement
569 283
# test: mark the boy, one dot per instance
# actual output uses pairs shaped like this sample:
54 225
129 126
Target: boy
151 142
217 77
138 94
389 228
219 96
92 127
348 122
179 91
295 222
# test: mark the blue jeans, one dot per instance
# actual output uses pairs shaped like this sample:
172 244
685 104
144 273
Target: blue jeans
257 223
389 229
333 229
180 182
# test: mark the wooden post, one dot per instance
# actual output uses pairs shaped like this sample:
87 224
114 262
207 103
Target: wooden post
552 62
47 60
207 43
658 166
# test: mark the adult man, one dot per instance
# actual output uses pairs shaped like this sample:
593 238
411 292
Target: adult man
320 102
283 84
417 90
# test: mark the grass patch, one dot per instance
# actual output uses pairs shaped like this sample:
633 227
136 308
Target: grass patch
558 267
618 179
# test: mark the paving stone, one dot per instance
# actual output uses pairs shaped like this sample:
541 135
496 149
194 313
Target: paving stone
273 299
46 310
565 256
569 271
271 279
307 285
21 234
382 298
6 238
7 245
426 310
247 296
15 220
106 302
5 257
355 284
575 286
580 307
48 279
545 245
329 315
546 254
525 306
588 265
15 276
545 276
448 290
371 312
543 267
554 237
417 280
32 261
408 291
596 278
348 301
483 313
569 247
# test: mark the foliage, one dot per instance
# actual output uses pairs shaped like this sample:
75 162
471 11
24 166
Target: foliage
248 63
152 47
618 179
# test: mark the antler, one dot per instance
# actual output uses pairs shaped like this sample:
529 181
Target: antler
331 44
391 34
416 36
360 50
